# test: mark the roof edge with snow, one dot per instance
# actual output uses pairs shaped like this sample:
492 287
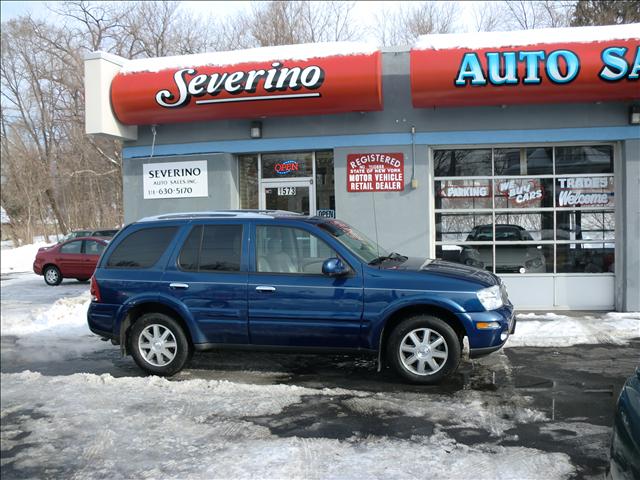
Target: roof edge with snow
302 52
476 40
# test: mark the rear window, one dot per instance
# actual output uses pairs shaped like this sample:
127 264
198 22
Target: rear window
213 248
91 247
142 249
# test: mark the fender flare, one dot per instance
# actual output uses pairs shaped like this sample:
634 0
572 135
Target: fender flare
377 330
123 320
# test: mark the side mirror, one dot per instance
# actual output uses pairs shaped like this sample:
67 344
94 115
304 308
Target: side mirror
334 267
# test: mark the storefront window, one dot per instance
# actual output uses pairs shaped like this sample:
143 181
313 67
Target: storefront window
248 181
584 159
523 161
463 194
461 227
523 193
325 184
530 215
272 172
287 165
462 163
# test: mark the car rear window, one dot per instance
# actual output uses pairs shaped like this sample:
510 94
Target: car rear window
142 249
212 248
91 247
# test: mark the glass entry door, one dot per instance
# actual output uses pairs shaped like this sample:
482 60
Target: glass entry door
293 196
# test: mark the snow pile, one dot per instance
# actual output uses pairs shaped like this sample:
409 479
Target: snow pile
66 317
74 427
477 40
553 330
304 51
19 259
57 332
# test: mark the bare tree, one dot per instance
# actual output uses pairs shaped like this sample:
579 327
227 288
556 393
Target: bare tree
526 15
487 16
401 26
293 22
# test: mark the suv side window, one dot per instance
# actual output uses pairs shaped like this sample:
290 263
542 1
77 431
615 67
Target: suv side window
142 249
212 248
72 247
290 250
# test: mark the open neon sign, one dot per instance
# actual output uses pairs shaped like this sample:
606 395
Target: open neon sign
286 167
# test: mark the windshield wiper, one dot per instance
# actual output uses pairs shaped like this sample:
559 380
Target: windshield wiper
384 258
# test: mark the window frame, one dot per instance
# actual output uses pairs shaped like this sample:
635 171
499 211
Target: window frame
84 247
105 263
81 242
211 272
254 252
493 211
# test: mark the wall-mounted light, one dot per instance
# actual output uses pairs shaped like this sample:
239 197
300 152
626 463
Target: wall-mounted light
256 130
634 115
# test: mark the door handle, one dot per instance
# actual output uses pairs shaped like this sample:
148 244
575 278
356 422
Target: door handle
263 288
177 286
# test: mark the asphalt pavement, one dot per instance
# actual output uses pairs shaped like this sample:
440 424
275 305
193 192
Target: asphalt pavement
574 387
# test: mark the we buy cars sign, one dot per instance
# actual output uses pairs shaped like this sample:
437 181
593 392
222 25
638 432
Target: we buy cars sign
375 172
258 83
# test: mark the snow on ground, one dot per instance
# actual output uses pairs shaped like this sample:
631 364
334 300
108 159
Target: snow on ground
61 329
555 330
66 317
210 429
19 259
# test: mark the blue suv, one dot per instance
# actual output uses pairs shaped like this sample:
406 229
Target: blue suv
170 285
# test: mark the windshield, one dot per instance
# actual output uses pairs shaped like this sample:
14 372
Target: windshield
363 248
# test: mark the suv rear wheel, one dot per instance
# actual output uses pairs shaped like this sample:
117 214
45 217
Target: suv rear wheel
423 349
158 344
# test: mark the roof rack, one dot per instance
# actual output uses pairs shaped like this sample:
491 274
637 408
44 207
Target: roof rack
221 214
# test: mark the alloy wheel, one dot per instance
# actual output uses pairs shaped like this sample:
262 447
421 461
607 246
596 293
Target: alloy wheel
157 345
423 351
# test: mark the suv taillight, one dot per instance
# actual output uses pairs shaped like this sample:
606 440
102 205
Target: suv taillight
95 290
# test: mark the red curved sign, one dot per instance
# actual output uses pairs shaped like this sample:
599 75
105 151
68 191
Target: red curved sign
542 73
249 90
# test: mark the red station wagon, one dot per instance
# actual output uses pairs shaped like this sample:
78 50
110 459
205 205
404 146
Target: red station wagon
75 258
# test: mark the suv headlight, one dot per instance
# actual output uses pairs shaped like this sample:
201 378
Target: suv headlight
490 298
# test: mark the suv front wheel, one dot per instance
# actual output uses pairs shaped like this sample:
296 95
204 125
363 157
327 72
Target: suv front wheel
423 349
158 344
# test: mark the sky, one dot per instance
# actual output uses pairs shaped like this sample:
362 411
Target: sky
363 10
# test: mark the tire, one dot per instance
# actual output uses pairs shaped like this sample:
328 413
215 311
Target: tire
416 361
82 279
159 359
52 275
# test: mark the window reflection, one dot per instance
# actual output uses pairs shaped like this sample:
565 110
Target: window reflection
539 217
585 258
584 159
460 163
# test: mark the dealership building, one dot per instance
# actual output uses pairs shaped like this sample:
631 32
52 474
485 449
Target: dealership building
517 152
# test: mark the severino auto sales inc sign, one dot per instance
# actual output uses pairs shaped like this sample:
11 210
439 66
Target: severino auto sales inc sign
175 179
375 172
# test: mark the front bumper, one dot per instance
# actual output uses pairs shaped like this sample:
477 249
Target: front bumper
483 342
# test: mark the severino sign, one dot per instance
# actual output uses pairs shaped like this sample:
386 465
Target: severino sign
175 179
207 87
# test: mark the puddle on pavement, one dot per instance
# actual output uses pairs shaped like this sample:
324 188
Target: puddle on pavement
320 416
